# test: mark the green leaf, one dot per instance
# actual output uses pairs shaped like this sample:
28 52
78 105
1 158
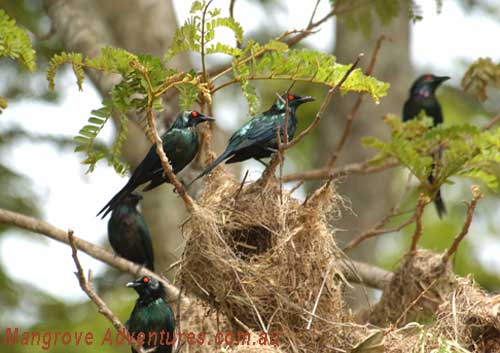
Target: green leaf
311 66
76 61
188 95
15 42
479 75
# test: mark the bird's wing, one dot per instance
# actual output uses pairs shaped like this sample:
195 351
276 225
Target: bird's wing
407 111
259 130
143 230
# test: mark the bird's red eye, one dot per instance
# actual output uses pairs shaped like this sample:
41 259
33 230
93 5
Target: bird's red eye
194 114
145 279
290 97
428 77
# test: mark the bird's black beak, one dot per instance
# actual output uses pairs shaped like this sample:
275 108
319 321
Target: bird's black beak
441 79
205 118
306 99
134 284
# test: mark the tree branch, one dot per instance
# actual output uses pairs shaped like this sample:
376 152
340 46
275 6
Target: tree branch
327 173
365 274
471 206
88 287
355 107
323 106
41 227
422 202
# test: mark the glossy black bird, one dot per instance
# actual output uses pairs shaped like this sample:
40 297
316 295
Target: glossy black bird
422 97
257 138
152 315
128 233
180 144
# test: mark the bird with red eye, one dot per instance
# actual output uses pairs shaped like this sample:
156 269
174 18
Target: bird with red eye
257 138
422 98
152 315
180 144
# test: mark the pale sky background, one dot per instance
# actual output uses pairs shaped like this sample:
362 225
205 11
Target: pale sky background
71 198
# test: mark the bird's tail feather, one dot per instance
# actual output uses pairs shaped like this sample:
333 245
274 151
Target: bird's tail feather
440 207
212 166
120 195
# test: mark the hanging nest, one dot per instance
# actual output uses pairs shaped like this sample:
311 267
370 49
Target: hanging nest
467 321
418 287
268 261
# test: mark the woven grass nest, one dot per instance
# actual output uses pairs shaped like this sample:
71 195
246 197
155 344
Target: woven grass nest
467 321
267 261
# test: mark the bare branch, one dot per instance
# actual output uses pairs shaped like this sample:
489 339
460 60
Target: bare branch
326 173
88 287
41 227
421 203
324 105
471 206
491 123
355 107
377 228
366 274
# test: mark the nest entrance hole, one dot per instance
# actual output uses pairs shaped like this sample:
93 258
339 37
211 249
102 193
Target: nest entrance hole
251 241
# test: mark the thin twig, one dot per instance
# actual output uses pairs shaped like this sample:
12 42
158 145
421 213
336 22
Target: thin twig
491 123
375 231
471 206
324 105
355 107
377 228
88 287
326 173
202 43
421 203
231 8
48 230
313 14
241 186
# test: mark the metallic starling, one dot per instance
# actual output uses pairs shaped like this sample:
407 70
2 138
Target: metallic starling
422 97
152 315
128 233
257 138
180 144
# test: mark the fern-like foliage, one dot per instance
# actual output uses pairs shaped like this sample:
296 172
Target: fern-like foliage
194 31
308 66
145 79
15 44
479 75
461 150
130 95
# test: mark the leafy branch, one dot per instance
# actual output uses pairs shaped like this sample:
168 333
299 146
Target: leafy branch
462 150
479 75
15 44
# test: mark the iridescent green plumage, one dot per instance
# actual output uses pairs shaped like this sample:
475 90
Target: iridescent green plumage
152 315
180 144
128 233
257 138
422 98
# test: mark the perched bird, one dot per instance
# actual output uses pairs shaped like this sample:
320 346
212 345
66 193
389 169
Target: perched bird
180 144
257 138
422 97
152 315
128 233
